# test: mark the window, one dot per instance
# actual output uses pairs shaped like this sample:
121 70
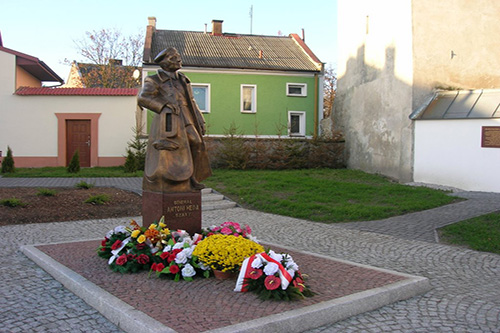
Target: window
296 89
201 92
296 123
248 98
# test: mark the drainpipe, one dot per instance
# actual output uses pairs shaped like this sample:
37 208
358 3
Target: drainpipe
316 78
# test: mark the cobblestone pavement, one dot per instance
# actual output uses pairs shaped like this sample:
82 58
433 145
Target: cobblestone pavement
466 284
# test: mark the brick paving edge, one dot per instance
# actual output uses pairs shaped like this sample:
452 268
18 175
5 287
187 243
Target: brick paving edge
130 319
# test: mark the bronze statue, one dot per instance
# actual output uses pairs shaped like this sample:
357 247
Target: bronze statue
176 159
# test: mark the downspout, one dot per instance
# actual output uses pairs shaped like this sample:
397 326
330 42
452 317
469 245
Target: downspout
316 78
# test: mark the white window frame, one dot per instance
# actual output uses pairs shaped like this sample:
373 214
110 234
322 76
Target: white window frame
302 123
207 96
303 87
254 98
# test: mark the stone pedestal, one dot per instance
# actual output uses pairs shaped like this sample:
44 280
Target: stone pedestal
182 210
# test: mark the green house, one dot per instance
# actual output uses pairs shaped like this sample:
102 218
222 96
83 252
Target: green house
266 86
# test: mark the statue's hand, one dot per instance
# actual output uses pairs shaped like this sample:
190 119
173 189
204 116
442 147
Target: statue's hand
165 145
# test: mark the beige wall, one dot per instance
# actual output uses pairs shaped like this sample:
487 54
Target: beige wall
25 79
392 55
374 87
467 28
30 125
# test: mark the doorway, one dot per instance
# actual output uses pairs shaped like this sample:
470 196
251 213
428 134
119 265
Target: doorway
78 138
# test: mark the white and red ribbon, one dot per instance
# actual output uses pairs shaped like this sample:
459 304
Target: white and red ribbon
246 267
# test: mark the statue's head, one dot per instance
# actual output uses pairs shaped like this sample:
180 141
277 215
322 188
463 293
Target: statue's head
169 59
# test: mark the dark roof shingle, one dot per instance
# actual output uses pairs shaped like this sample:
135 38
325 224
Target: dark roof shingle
29 91
199 49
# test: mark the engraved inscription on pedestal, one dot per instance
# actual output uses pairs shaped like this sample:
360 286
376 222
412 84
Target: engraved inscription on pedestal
490 137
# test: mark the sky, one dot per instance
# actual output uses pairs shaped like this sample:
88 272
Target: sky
48 29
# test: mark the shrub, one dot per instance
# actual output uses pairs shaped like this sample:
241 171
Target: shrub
137 148
12 202
83 185
233 153
74 165
99 199
46 192
131 163
8 162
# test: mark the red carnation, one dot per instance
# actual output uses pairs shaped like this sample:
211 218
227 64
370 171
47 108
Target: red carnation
116 245
142 259
153 267
255 273
272 282
140 246
174 269
121 260
103 243
164 255
160 267
175 251
171 257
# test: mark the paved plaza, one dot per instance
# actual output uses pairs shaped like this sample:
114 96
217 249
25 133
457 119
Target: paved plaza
466 284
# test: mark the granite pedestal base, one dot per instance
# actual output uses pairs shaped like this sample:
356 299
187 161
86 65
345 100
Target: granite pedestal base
182 210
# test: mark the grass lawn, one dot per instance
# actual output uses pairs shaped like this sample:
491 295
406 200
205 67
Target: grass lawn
480 233
62 172
325 195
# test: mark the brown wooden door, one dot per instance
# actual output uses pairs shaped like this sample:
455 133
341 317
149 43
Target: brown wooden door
78 137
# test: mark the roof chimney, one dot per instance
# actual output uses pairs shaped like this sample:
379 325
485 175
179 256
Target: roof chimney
217 27
303 35
152 22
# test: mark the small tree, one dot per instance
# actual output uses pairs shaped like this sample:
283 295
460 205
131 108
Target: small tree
8 162
329 91
137 147
130 165
74 165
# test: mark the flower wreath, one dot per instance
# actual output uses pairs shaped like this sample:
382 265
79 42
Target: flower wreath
274 276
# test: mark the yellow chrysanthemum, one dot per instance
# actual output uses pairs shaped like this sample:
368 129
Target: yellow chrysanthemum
165 231
135 233
152 226
225 252
141 239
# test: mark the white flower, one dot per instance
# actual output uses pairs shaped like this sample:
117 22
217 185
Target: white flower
188 251
178 245
292 265
253 238
271 268
167 248
276 256
202 266
257 262
181 258
188 271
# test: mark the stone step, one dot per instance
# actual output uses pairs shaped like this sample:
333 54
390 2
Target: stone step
211 197
211 200
217 205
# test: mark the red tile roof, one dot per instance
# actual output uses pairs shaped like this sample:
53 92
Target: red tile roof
29 91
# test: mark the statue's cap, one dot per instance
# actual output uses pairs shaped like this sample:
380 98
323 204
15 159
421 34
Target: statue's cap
162 54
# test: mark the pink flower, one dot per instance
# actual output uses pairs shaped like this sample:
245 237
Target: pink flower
247 227
226 231
272 282
121 260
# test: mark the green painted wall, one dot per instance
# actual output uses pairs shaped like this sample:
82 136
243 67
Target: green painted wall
272 103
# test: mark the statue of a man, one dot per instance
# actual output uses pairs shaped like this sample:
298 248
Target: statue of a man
176 159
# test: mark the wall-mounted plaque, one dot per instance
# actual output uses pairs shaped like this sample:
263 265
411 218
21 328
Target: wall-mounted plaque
490 137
